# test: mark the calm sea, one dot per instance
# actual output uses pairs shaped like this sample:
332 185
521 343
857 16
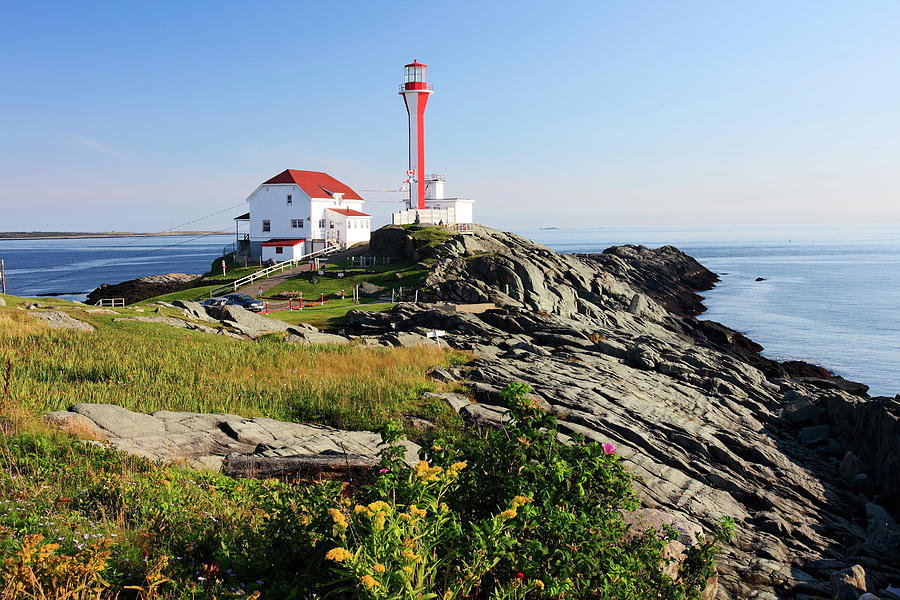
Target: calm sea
831 296
74 267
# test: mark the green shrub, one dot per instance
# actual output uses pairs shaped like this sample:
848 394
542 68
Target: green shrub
524 516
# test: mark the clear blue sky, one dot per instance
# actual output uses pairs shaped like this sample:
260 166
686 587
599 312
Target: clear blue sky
141 116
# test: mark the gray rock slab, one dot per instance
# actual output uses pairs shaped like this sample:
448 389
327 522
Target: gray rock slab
202 440
456 401
60 320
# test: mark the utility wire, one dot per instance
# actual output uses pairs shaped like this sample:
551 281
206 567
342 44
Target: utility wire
126 258
139 238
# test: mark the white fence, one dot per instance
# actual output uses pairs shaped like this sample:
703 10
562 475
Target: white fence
426 216
287 264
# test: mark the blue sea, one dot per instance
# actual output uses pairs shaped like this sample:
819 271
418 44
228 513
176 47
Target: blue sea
831 295
74 267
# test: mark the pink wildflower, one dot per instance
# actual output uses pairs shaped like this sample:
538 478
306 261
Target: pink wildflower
382 471
609 448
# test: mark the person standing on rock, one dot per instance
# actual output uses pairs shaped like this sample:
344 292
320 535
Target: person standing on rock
260 292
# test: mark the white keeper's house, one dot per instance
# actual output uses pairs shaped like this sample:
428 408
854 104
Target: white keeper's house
298 212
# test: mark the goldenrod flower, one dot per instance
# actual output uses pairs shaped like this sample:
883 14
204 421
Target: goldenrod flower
359 508
378 568
379 521
412 556
509 514
368 581
380 505
338 554
458 466
539 584
519 501
338 517
417 512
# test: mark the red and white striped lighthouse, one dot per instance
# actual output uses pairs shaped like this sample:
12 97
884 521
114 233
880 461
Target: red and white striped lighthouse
415 91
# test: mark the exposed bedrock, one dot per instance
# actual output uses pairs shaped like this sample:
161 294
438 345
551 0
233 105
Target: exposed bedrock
805 463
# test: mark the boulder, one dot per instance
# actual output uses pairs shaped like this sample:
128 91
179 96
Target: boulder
848 584
194 310
370 289
2 302
249 323
60 320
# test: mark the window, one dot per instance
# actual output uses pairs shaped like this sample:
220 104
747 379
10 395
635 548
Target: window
296 223
279 250
290 199
267 225
330 224
322 223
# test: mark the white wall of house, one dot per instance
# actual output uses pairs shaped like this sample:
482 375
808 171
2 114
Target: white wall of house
272 217
269 203
282 253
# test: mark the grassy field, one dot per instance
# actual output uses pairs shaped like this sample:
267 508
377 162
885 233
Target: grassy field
394 276
329 317
148 366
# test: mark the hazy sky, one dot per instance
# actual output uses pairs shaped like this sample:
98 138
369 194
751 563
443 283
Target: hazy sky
145 116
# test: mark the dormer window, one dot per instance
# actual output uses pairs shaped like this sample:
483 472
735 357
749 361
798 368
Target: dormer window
290 199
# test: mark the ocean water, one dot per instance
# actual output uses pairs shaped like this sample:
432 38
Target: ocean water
831 295
74 267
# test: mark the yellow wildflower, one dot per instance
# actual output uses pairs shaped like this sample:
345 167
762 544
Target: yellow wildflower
444 507
338 554
509 514
338 517
378 568
519 501
539 584
412 556
421 467
359 508
368 581
379 521
417 512
380 505
458 466
436 447
408 570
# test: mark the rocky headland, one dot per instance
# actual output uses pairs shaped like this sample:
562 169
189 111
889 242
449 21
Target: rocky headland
135 290
806 463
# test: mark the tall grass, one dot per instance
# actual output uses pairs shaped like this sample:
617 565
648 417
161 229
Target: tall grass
149 367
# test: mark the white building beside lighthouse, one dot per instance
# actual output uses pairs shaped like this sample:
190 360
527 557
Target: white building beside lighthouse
426 203
298 212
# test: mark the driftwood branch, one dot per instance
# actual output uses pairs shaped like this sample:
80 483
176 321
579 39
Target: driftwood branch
340 466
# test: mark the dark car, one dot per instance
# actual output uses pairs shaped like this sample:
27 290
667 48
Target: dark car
248 302
218 301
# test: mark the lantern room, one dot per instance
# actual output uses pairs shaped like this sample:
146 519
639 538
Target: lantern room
415 76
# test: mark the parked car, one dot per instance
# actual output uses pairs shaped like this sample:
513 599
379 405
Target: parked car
248 302
218 301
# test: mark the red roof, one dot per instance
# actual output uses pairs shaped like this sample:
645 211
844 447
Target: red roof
283 242
415 63
315 184
349 212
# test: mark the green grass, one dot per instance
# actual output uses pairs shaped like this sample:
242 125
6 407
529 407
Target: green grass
196 293
150 366
233 273
331 316
431 236
392 277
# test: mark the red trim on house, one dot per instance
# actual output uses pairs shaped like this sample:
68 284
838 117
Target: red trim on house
420 143
349 212
315 183
283 242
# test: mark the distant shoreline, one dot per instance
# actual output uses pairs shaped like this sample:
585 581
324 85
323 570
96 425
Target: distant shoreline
65 235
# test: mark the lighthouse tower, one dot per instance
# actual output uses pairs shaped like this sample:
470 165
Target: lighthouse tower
415 91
